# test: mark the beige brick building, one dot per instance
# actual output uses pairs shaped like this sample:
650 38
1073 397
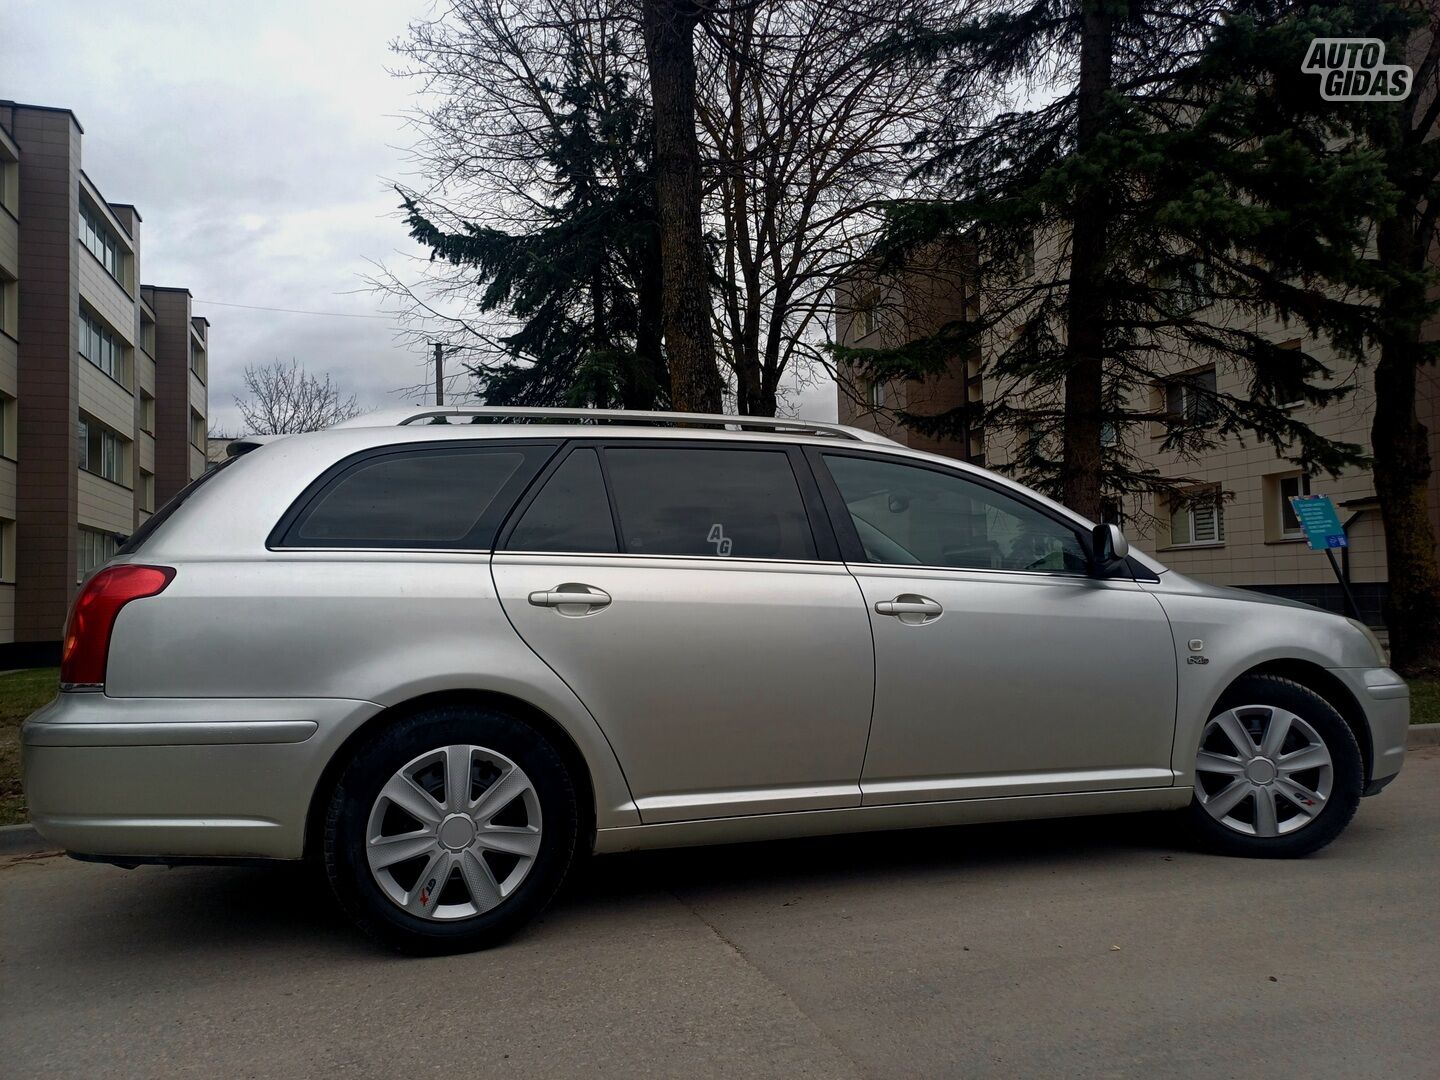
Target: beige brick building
1248 536
103 398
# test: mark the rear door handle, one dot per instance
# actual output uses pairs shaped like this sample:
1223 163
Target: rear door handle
572 598
910 608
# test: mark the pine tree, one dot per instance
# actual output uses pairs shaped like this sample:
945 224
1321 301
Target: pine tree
1176 228
584 283
1400 294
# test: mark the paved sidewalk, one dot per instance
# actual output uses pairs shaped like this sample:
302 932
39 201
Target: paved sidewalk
1080 948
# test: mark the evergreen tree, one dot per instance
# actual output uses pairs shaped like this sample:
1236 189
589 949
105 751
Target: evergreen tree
1398 284
584 282
1179 216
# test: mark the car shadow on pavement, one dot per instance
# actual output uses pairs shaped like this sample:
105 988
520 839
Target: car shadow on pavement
883 855
207 910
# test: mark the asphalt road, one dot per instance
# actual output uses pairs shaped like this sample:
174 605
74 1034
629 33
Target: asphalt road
1082 948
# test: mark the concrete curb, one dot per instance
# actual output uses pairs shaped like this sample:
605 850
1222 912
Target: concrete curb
24 840
1423 735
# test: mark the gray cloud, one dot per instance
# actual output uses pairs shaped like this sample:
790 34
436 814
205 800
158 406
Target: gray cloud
259 142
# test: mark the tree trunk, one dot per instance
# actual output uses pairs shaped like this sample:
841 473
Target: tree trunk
649 382
1402 462
1085 315
690 347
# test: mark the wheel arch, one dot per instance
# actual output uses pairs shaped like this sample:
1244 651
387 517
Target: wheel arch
1316 679
563 742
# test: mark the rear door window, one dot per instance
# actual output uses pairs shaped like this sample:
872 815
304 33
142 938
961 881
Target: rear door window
571 513
723 502
436 497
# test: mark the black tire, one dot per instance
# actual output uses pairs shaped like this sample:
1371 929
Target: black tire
1346 762
372 766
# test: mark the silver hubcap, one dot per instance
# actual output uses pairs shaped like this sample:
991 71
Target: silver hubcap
453 832
1262 771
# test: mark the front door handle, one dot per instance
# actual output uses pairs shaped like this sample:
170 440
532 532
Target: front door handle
911 609
572 598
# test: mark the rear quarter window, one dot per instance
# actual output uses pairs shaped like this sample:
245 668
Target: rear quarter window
432 497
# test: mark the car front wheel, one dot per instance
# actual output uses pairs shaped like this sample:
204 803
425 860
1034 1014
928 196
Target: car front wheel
1277 773
450 830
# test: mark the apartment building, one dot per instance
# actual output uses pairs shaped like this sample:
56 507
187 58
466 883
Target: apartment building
103 398
1234 526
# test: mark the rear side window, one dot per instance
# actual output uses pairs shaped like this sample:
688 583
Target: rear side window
571 513
743 504
451 497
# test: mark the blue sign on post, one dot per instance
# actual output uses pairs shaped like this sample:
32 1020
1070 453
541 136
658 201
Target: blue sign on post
1320 521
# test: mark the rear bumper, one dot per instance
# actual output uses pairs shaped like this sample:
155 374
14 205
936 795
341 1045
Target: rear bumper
181 777
1385 699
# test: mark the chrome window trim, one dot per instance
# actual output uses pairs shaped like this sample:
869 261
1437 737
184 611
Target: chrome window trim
1075 575
635 556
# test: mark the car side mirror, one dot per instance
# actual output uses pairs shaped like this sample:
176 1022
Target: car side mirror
1109 547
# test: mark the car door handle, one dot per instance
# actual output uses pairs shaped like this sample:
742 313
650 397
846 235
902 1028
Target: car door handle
910 608
572 598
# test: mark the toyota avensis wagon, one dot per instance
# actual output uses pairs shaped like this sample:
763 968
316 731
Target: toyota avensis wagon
447 657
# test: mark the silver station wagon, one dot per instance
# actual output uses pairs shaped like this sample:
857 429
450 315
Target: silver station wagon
448 651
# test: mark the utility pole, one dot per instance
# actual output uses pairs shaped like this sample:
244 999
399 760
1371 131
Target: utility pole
439 373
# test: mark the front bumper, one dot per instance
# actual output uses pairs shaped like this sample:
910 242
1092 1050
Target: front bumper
1385 700
181 777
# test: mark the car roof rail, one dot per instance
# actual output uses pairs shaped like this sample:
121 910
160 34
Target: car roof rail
475 414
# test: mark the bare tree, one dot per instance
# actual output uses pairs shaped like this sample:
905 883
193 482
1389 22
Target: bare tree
802 137
285 399
806 135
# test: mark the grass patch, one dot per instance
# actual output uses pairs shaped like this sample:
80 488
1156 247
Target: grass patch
1425 701
21 693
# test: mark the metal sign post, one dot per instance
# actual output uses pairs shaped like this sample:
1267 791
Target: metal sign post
1325 533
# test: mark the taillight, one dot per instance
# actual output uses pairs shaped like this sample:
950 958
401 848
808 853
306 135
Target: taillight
87 632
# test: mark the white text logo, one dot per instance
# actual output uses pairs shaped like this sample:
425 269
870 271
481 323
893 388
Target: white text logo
1354 69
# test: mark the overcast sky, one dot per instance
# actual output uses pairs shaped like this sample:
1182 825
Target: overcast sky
259 141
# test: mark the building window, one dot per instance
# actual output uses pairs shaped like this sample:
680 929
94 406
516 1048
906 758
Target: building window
1191 397
101 347
1291 487
93 550
9 183
9 306
7 551
102 451
197 430
1197 518
1108 435
7 426
867 314
876 394
197 361
1027 257
147 413
1183 288
147 491
1292 345
101 242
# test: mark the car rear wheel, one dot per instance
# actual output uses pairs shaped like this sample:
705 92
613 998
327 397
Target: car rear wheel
1277 772
450 830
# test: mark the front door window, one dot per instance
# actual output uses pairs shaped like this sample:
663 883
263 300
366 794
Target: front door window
911 515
